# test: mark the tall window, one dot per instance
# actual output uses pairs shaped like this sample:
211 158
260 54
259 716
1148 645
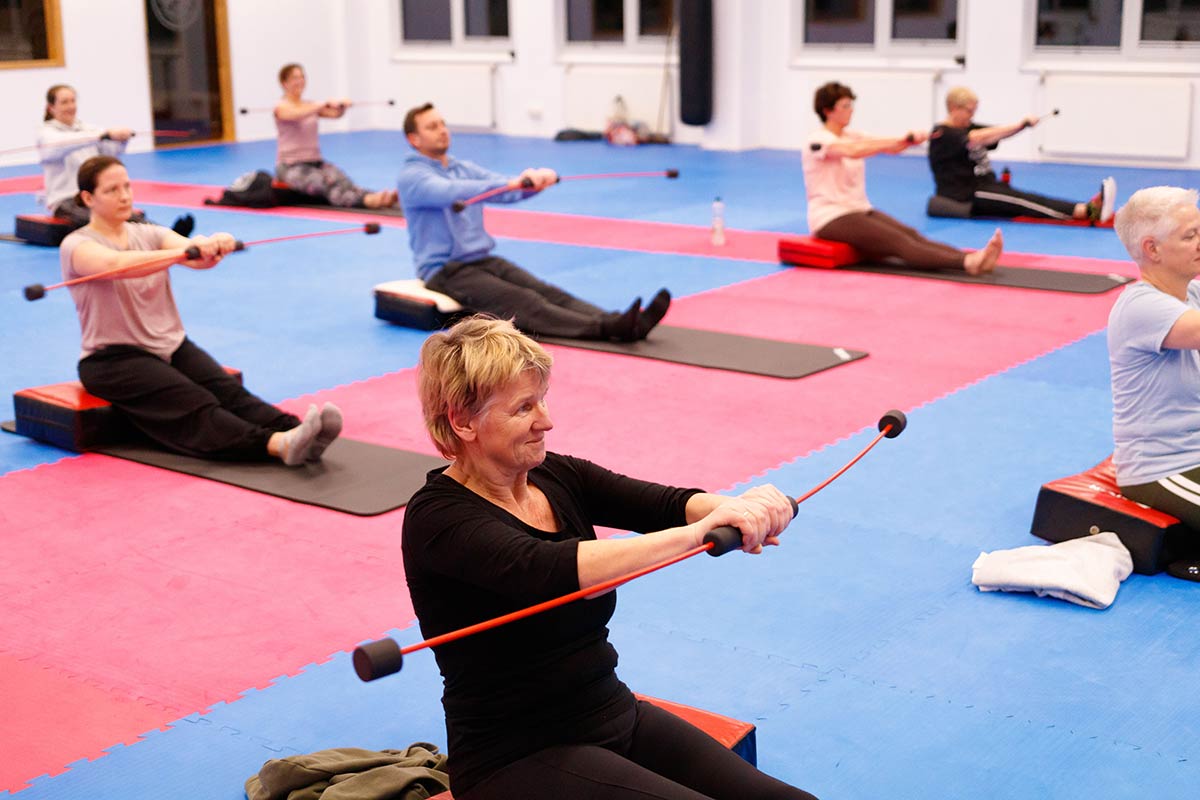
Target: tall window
1146 29
619 20
1079 23
30 34
452 21
839 22
881 24
1170 21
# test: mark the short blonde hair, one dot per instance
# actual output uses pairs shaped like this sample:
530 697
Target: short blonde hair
462 368
1149 213
960 97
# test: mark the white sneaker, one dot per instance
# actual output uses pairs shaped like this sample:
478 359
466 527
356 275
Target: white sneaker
1108 199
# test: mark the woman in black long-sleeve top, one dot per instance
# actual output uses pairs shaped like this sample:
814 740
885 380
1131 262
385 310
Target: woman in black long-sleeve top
535 709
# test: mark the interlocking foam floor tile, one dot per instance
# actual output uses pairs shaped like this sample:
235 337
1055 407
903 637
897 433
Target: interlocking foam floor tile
40 704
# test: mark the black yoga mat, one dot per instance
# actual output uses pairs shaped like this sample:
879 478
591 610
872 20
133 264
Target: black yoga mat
1050 280
354 477
727 351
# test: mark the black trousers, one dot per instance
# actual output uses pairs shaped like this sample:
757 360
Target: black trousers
659 755
996 199
499 287
879 236
190 405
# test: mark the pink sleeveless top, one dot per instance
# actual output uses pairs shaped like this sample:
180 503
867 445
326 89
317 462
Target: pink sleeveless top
297 140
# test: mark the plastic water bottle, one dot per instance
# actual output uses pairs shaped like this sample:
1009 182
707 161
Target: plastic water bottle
718 222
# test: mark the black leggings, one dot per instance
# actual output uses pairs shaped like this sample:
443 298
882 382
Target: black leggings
659 756
996 199
499 287
1177 495
190 405
879 237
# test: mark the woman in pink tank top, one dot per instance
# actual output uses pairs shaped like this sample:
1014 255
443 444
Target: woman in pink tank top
298 160
838 208
136 354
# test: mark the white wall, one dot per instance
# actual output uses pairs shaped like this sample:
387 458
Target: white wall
762 91
106 62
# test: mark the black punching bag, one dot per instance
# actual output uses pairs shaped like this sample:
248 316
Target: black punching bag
695 61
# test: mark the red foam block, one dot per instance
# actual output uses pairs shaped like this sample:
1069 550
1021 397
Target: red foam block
809 251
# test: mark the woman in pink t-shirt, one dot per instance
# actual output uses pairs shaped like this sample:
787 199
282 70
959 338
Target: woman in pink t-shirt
136 354
298 161
838 208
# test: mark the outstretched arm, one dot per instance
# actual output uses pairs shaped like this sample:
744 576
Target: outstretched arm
983 137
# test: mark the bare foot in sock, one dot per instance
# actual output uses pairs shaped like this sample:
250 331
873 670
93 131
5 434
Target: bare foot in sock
653 313
331 428
295 445
623 327
984 261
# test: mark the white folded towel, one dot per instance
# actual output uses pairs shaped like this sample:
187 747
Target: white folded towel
1087 571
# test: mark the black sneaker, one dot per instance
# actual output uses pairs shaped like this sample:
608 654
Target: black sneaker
184 225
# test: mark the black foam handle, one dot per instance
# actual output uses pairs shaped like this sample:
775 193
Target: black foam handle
35 291
727 538
371 228
457 206
193 252
377 659
910 138
896 419
672 173
527 183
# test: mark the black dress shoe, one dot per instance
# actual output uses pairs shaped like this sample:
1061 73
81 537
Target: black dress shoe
1188 569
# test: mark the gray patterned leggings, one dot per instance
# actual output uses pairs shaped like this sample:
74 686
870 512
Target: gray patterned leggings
322 179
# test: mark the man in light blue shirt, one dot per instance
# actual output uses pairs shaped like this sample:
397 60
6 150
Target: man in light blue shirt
453 251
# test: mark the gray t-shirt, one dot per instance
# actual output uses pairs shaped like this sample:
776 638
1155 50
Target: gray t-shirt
1156 391
133 311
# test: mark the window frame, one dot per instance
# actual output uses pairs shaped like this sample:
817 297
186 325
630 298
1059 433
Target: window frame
632 48
54 43
884 48
1131 47
459 47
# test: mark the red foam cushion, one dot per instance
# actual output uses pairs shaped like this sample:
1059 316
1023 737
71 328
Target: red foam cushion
71 394
44 219
68 395
726 730
1098 485
809 251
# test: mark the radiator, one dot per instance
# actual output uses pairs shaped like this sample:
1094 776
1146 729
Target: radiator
1143 118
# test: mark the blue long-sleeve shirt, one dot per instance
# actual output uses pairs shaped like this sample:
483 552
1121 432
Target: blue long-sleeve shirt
436 232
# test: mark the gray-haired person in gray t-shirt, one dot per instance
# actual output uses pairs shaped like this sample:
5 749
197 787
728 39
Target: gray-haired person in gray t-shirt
136 354
1154 354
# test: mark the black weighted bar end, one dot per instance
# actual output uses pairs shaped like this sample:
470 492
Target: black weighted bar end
35 291
672 173
723 540
527 183
243 110
377 659
458 206
371 228
895 420
192 252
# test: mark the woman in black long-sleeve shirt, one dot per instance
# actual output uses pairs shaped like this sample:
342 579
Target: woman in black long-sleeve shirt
535 709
